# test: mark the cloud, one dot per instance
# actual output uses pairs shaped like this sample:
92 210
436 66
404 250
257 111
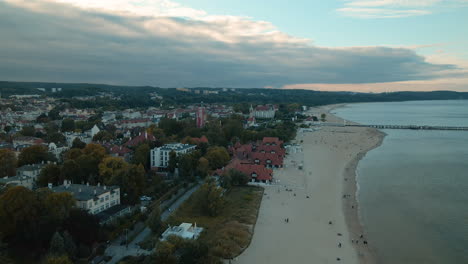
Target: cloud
63 42
393 8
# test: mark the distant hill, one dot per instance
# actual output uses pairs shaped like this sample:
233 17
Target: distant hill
132 96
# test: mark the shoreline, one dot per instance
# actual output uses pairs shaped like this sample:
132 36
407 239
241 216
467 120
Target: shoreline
366 254
321 225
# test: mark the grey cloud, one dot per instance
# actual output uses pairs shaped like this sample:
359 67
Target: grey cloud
68 44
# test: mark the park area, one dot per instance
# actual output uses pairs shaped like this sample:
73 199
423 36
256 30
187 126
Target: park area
230 230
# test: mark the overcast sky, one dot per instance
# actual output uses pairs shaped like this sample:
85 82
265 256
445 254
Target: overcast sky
360 45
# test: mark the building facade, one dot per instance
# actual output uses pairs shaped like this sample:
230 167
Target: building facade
201 117
94 199
160 156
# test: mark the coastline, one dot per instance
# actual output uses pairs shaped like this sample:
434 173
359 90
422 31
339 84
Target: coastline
366 254
330 157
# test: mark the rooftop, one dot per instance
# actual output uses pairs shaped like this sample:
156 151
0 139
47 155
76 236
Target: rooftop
83 192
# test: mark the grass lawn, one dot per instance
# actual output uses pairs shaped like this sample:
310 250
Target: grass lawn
229 233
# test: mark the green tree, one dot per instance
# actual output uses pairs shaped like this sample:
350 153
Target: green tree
70 170
103 136
69 244
8 163
237 177
173 160
217 157
186 166
77 143
28 131
54 114
49 174
57 245
203 167
56 137
142 155
32 155
213 199
323 117
68 125
154 220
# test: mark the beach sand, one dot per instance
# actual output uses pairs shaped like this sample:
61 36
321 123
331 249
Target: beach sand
330 157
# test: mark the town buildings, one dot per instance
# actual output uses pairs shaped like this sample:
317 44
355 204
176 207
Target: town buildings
160 156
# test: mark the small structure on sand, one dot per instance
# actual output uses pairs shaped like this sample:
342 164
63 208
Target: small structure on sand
184 230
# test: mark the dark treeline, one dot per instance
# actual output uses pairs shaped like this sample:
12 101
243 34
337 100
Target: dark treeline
131 96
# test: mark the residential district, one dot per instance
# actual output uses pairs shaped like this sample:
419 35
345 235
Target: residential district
94 185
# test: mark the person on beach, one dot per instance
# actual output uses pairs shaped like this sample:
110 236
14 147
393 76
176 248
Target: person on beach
339 245
329 222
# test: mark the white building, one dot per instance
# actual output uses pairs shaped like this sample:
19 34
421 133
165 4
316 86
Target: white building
57 150
184 230
24 181
264 111
94 131
160 156
94 199
30 170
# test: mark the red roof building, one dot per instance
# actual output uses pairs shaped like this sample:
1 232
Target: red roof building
256 172
133 142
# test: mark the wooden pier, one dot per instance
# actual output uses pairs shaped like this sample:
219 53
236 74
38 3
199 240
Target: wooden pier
412 127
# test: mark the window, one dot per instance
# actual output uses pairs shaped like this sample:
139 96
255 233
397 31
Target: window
107 197
254 175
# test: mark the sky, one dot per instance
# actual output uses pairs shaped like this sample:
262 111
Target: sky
336 45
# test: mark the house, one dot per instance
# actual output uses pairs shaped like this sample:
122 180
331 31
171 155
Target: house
28 141
184 230
256 172
269 160
57 150
94 131
71 136
131 123
24 181
120 151
30 170
265 111
141 138
160 156
94 199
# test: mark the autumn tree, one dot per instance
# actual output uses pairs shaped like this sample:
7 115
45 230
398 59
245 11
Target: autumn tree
217 157
212 198
18 214
130 178
57 260
203 167
32 155
237 178
8 163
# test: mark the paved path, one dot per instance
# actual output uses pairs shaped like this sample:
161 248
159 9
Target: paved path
118 252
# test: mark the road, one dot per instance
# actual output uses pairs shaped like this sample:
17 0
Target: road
118 252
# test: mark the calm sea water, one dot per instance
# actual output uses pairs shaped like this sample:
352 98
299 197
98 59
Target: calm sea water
413 190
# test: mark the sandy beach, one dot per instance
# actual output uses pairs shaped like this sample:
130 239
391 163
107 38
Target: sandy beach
323 191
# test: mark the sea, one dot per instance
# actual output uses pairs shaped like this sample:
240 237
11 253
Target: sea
413 189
